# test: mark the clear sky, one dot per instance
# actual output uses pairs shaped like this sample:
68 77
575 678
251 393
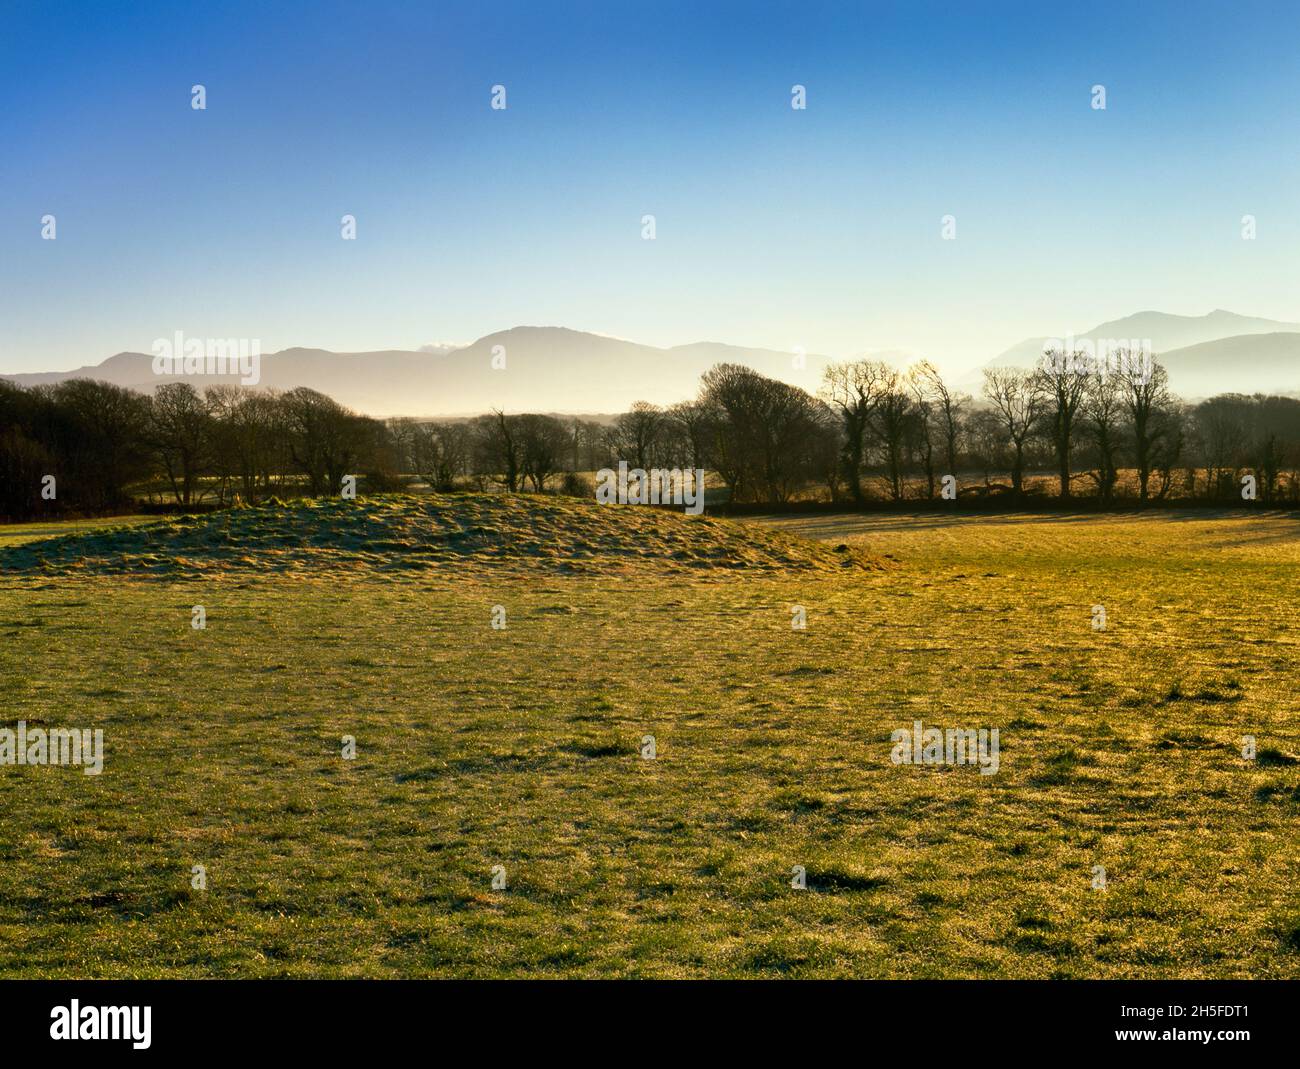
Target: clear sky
775 227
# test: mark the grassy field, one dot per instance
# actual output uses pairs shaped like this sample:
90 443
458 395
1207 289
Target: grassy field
18 534
520 748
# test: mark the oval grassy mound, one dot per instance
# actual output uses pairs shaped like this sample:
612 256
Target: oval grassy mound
399 533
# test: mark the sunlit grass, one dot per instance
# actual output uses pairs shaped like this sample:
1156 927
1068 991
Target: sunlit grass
17 534
521 748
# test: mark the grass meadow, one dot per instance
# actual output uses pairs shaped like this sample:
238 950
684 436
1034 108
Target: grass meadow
522 748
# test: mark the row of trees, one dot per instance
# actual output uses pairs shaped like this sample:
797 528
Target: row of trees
872 430
104 446
1107 431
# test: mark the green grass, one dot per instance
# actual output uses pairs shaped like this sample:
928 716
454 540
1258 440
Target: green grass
404 533
479 747
17 534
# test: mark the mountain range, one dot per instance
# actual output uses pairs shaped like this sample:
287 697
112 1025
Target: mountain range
546 369
554 369
1221 352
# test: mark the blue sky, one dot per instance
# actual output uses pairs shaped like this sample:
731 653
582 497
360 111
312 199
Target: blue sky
775 228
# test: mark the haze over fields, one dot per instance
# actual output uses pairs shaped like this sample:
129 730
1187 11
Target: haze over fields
555 369
547 369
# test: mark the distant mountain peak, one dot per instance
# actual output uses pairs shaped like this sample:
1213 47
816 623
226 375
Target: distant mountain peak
546 369
1165 330
1252 356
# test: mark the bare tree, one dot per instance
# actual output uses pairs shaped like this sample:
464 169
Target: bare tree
248 432
1103 414
987 442
888 423
949 409
1222 435
544 444
1146 395
179 427
436 452
1018 401
852 390
1169 445
326 440
1062 380
762 433
499 448
924 421
687 423
102 437
636 433
731 406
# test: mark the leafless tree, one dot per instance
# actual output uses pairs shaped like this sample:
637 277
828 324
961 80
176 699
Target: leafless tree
1062 379
888 423
1147 397
1222 436
1103 416
498 446
759 433
101 435
1017 399
635 436
688 430
949 409
179 429
544 443
852 389
326 440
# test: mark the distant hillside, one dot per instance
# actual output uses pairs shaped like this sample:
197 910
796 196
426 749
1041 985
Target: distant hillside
1220 352
554 369
547 369
1251 363
1167 332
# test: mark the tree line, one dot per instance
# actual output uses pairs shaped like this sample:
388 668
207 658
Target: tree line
1109 430
871 432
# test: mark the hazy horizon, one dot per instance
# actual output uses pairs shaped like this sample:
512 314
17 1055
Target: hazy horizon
557 369
898 355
